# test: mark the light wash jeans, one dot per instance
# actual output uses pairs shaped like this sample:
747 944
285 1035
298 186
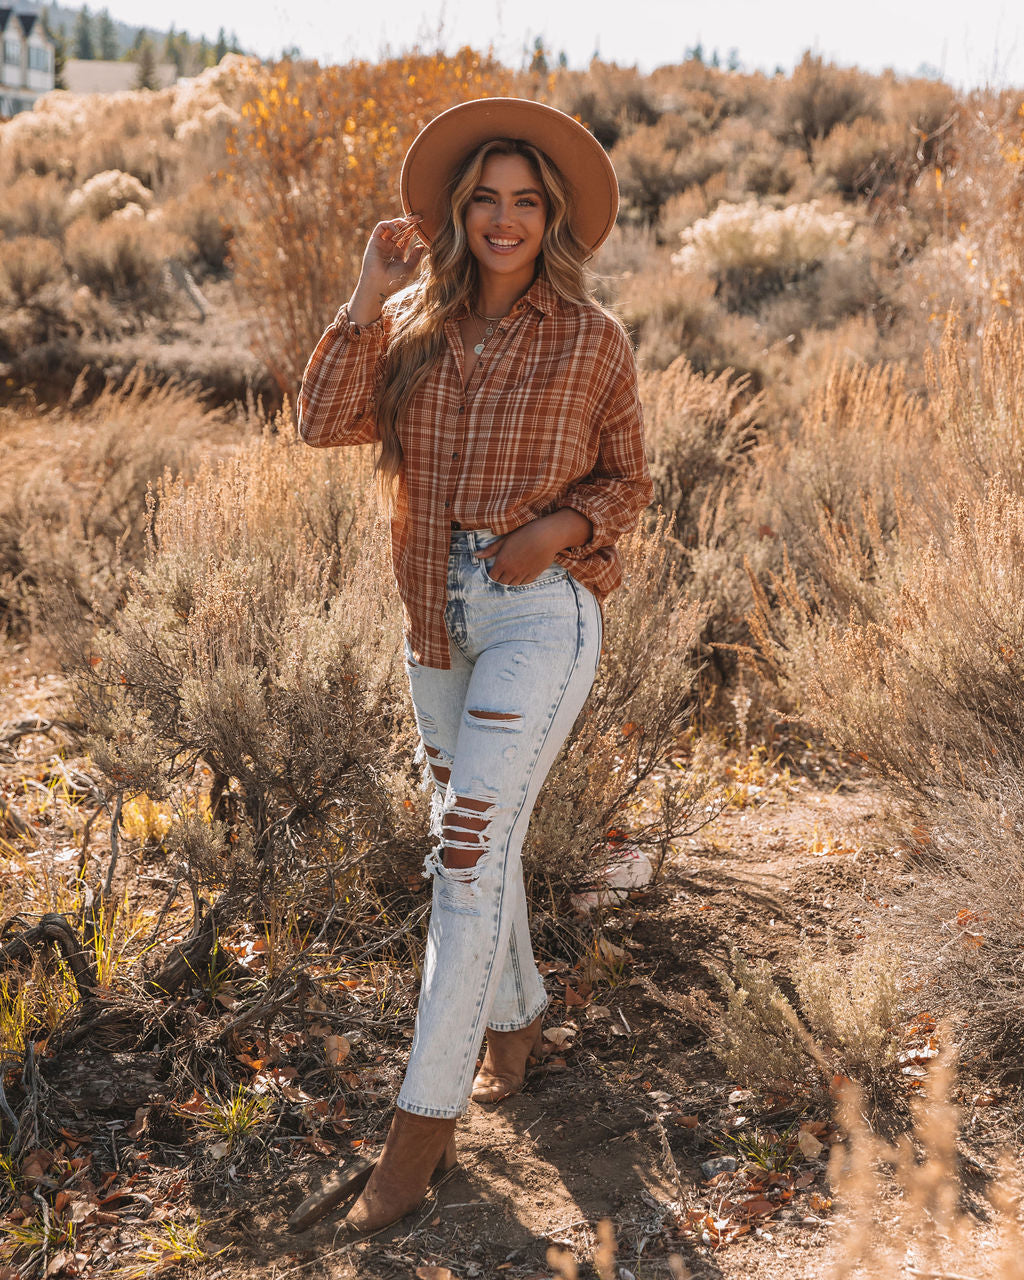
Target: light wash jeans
527 654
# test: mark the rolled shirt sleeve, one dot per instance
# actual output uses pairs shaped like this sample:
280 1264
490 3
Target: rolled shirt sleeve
340 383
618 487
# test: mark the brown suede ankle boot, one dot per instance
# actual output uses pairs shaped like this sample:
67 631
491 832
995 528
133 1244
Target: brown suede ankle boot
417 1147
503 1070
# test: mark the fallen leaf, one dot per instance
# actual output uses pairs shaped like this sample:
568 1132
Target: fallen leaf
757 1207
809 1145
573 997
336 1049
219 1150
195 1105
805 1180
559 1035
35 1165
599 1011
687 1122
433 1273
140 1124
818 1202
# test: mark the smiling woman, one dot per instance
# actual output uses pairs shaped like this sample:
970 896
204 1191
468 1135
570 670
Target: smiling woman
504 404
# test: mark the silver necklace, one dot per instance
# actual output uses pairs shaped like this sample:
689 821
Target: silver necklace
491 321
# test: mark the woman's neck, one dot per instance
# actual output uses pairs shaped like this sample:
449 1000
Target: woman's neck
497 297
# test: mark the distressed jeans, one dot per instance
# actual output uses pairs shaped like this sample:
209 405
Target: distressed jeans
523 661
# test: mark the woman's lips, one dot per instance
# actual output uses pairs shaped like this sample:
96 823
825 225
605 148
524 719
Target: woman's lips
503 244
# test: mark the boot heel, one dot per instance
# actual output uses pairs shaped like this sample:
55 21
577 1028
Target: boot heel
340 1186
449 1161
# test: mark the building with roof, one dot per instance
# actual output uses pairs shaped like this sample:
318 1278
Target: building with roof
26 58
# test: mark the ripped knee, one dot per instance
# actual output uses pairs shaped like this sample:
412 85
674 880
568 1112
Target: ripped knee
456 862
439 772
463 832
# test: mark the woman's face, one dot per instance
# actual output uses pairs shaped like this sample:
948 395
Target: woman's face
505 219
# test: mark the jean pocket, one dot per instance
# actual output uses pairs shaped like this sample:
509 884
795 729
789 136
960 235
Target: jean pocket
553 573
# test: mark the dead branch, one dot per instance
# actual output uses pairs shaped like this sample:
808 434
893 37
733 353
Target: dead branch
53 930
267 1011
186 959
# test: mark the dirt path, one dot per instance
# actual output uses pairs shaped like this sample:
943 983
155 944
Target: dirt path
607 1135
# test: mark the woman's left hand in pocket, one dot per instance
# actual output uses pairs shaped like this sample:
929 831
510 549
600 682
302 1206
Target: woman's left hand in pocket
519 557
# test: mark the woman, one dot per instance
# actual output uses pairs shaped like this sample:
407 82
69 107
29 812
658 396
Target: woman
504 404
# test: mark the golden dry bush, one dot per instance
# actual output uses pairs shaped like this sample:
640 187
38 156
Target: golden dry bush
35 205
73 514
315 163
123 258
28 265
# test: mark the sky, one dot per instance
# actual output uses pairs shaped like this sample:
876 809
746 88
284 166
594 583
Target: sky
974 43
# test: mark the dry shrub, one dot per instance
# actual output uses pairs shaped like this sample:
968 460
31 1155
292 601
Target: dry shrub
123 259
753 250
863 157
316 164
845 1021
251 640
700 430
106 192
667 314
27 265
76 527
655 162
611 101
205 221
34 205
818 97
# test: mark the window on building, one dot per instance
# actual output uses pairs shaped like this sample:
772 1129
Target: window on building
12 52
39 58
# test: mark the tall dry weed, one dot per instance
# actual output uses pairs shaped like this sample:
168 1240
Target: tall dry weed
900 640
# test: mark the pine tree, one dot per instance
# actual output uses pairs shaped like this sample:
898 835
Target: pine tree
107 36
84 44
145 57
221 47
174 49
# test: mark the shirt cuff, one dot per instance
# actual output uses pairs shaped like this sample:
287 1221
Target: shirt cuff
345 328
592 544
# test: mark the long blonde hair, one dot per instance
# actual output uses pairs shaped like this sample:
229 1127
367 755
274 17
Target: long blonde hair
450 280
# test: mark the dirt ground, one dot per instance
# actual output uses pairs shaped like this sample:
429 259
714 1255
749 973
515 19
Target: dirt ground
615 1124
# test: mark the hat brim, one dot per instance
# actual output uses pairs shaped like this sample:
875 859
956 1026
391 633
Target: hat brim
439 148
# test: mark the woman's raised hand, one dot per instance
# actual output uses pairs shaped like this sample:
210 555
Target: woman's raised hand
390 261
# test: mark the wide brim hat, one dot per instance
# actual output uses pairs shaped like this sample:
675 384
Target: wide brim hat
440 147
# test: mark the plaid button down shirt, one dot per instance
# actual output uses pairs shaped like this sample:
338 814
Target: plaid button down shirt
551 418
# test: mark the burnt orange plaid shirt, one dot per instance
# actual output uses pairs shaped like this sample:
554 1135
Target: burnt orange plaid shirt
551 418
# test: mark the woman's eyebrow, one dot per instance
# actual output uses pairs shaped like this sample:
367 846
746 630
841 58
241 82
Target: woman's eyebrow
525 191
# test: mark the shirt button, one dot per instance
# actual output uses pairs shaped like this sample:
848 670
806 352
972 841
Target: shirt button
455 454
447 505
462 408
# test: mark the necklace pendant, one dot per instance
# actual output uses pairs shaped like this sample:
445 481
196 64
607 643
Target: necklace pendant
479 348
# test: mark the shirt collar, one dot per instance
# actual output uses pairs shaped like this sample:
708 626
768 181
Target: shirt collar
540 295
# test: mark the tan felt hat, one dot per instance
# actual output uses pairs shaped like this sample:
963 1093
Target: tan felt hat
439 147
